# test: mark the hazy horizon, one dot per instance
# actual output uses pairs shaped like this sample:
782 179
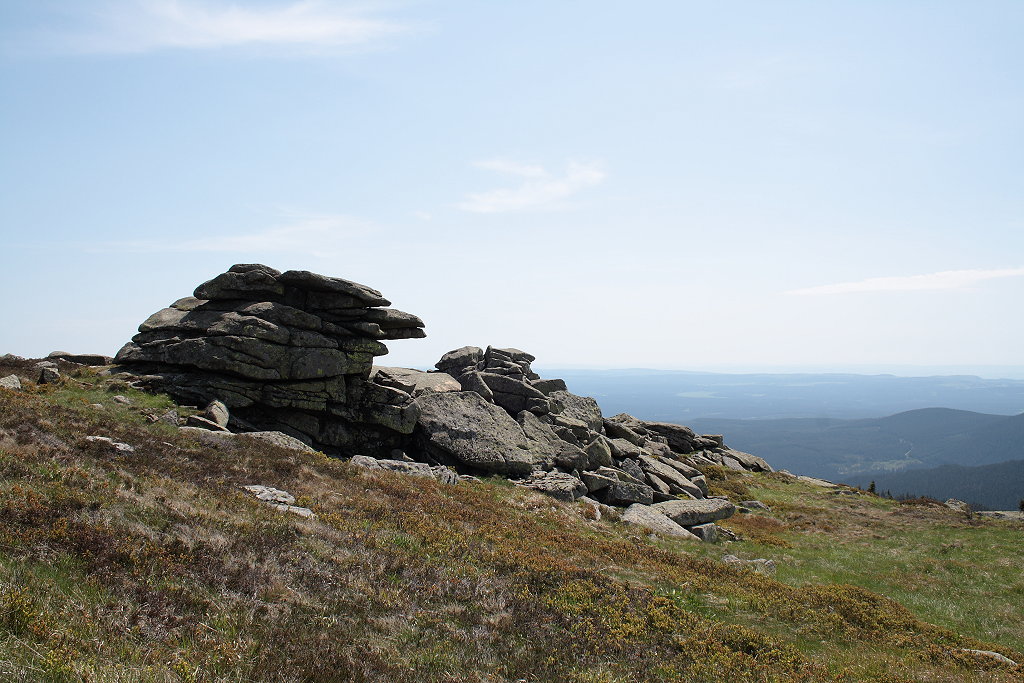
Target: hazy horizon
666 185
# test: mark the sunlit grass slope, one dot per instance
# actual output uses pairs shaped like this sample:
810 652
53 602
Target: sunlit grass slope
155 566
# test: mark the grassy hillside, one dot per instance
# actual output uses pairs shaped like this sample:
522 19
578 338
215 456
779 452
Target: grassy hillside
154 566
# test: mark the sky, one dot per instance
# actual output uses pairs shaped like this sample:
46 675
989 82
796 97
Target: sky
663 184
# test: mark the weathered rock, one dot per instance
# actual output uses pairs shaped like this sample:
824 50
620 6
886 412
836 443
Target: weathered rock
286 352
203 423
748 461
209 437
599 453
755 505
454 362
616 430
558 485
550 450
414 382
990 656
107 441
679 438
621 448
514 395
733 463
474 381
93 359
278 439
632 467
582 408
705 532
671 476
269 494
217 413
693 512
416 469
760 565
48 375
12 382
546 386
701 483
682 468
651 519
623 493
461 428
596 482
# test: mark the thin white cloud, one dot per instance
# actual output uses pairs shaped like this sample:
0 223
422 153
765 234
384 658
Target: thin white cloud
947 279
320 236
139 26
538 188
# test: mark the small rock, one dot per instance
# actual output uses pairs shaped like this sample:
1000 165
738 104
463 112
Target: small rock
988 654
270 495
94 359
123 400
415 469
295 510
96 406
278 439
171 417
11 382
208 437
116 445
204 423
692 512
217 413
48 375
649 518
760 565
705 532
558 485
958 505
754 505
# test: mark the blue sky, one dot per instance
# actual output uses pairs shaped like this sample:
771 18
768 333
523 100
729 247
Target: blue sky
678 184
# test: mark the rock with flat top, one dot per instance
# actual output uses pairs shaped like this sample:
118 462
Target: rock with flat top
558 485
693 512
12 382
653 520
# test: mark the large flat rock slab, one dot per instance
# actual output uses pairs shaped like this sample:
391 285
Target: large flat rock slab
461 426
692 512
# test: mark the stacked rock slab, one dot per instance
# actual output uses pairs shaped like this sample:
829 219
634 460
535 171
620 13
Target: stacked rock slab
288 351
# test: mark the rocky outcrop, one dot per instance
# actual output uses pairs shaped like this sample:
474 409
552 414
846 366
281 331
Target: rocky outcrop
289 352
292 353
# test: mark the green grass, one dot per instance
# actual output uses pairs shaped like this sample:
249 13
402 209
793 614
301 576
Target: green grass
155 566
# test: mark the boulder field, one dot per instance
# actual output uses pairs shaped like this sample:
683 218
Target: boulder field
293 353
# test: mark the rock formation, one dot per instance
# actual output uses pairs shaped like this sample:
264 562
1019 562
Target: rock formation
283 351
293 352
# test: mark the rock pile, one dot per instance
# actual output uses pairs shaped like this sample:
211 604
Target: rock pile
289 351
292 352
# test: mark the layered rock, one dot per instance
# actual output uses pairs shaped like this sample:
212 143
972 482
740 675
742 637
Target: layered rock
290 352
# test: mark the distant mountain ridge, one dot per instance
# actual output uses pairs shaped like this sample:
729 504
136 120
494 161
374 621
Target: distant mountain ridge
898 452
683 397
997 487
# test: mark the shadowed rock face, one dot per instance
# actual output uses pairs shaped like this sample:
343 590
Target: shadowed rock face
285 351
